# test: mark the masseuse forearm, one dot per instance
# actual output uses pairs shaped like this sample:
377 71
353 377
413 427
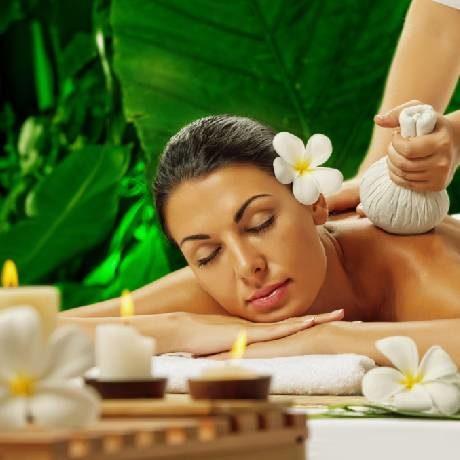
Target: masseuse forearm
346 337
426 66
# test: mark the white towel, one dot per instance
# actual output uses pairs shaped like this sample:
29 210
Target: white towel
310 374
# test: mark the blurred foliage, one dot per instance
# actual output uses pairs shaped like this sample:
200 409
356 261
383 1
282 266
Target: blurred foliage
74 206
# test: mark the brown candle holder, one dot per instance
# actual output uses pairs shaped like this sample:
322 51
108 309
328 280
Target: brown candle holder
145 388
250 388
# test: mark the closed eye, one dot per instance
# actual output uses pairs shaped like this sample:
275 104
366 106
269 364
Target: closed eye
264 226
259 229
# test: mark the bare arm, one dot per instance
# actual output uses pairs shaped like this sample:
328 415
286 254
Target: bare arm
202 334
177 291
426 66
352 337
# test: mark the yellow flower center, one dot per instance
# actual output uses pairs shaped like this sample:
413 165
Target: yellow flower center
22 385
302 166
410 380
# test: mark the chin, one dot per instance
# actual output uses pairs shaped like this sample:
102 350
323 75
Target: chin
277 314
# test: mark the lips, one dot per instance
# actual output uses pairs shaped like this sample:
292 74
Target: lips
265 291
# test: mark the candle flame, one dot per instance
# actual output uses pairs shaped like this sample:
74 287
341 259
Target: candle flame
239 346
9 274
127 304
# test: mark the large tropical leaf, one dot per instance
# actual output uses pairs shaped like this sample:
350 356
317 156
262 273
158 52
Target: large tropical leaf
71 211
298 65
305 66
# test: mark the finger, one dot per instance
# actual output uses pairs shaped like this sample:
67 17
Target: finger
390 119
345 199
415 186
422 176
217 356
416 147
360 210
336 315
409 165
276 331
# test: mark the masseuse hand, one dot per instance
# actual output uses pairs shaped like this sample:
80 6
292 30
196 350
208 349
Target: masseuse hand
423 163
346 199
205 334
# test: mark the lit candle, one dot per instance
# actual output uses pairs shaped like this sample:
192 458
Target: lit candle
121 351
230 370
45 299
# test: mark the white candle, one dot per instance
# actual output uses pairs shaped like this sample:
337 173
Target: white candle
122 352
227 371
230 370
45 299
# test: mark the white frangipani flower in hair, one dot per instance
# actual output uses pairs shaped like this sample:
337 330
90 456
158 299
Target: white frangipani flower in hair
37 378
432 386
300 164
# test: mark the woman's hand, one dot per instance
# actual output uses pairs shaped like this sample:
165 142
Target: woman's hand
207 334
423 163
316 340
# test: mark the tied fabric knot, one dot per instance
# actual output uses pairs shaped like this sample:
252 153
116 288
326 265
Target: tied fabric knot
396 209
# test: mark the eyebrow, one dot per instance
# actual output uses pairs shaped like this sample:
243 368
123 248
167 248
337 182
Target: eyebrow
236 218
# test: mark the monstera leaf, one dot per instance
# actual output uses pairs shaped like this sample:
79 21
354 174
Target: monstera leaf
302 66
299 65
70 211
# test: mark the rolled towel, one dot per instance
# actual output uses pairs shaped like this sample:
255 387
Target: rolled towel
396 209
301 375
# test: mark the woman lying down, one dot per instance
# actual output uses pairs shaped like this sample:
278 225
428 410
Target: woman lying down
261 259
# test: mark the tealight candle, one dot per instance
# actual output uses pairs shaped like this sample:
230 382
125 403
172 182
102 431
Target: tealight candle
230 370
45 299
121 351
229 380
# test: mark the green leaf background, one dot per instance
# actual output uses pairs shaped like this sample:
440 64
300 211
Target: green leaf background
94 89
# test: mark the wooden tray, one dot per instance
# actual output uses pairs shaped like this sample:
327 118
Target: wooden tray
242 430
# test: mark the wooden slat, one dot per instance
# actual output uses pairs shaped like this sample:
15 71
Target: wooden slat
314 400
230 429
271 420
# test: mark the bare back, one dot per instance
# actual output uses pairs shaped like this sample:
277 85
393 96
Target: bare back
404 278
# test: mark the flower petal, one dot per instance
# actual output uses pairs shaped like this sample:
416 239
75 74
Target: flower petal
21 342
453 379
289 147
435 364
401 351
70 353
13 412
329 179
318 149
415 399
63 404
284 172
382 383
445 396
305 189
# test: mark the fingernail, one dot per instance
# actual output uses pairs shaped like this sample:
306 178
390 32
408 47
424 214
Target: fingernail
308 320
338 311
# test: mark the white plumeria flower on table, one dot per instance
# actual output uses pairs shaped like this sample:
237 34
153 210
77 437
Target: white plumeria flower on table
300 164
38 379
431 386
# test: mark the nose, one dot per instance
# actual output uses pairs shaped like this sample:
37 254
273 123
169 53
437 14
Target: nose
249 264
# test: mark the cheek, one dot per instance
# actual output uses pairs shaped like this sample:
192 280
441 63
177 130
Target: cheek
308 265
216 284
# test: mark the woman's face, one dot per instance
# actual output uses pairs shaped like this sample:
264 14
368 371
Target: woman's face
241 230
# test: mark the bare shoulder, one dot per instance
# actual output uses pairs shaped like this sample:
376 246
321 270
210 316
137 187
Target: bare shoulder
357 235
418 274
